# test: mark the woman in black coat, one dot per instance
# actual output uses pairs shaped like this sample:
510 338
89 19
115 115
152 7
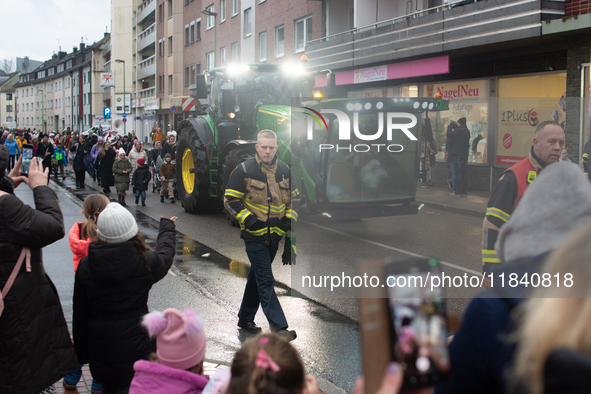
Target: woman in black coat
111 296
106 158
80 149
35 346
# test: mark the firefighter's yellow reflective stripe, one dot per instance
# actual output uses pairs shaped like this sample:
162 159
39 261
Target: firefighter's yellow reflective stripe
294 249
277 209
295 193
490 256
290 213
265 208
278 231
258 207
242 215
496 212
262 231
531 176
233 193
585 155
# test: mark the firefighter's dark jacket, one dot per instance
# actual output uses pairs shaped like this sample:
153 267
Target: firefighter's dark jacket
503 201
263 198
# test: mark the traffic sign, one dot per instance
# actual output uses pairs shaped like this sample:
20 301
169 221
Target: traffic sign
173 108
188 104
9 118
107 112
124 115
124 120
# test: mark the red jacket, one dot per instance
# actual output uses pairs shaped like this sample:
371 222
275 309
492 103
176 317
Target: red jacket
79 246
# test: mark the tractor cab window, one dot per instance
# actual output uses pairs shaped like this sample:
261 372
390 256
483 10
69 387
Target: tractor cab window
362 170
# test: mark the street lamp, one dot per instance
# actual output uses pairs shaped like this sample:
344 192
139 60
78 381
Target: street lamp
215 31
124 96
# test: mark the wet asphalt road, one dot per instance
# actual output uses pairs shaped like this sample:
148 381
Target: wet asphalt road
326 324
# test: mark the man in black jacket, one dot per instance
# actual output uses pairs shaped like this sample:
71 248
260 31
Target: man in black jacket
461 149
45 152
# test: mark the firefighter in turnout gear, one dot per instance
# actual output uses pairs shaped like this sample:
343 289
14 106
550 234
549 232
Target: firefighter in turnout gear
547 146
262 196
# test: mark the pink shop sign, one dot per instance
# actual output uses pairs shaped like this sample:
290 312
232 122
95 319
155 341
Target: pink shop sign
371 74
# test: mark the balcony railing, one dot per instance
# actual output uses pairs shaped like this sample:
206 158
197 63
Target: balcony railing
147 93
145 9
146 37
107 66
147 67
435 30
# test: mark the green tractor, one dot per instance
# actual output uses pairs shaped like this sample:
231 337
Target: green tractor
343 167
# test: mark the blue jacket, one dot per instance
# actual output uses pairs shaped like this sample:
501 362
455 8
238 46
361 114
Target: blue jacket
480 351
60 155
13 148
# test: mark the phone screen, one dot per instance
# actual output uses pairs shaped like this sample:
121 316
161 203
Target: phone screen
27 157
418 323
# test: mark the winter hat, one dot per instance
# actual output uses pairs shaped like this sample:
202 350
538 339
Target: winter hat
558 201
167 156
100 138
462 121
180 339
121 151
141 162
116 224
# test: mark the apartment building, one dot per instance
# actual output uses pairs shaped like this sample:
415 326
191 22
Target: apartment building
7 109
505 66
169 67
59 93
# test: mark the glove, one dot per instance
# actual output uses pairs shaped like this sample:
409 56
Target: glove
289 252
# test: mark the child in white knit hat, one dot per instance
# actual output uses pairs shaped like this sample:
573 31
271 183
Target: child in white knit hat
111 293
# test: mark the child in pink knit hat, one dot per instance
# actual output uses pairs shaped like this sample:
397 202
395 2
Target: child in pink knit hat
180 343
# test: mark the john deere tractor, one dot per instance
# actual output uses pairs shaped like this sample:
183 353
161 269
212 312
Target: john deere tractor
351 158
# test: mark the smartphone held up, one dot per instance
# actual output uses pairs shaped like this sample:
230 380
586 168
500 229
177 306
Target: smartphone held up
27 157
405 322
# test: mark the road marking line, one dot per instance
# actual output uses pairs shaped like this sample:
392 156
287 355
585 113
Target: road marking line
172 273
451 265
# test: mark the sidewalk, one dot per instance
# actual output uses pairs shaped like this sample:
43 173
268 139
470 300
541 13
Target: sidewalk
439 197
86 380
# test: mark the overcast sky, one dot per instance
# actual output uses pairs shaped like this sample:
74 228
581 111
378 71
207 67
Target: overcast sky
31 27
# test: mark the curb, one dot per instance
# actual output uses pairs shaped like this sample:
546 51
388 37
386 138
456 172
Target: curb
451 208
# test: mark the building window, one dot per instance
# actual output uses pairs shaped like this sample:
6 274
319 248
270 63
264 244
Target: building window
170 84
247 26
198 29
222 56
210 62
170 46
210 22
169 9
222 10
27 103
279 42
187 75
234 52
160 13
161 48
187 35
192 74
303 33
192 33
198 68
263 46
234 7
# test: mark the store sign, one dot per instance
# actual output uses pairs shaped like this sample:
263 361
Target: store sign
107 80
119 103
370 74
460 91
518 119
150 104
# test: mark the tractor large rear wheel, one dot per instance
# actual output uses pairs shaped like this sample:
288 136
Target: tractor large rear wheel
192 171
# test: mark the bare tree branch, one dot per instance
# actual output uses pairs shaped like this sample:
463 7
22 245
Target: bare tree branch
7 64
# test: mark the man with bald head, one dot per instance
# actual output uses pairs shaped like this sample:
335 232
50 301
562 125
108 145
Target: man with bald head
547 146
